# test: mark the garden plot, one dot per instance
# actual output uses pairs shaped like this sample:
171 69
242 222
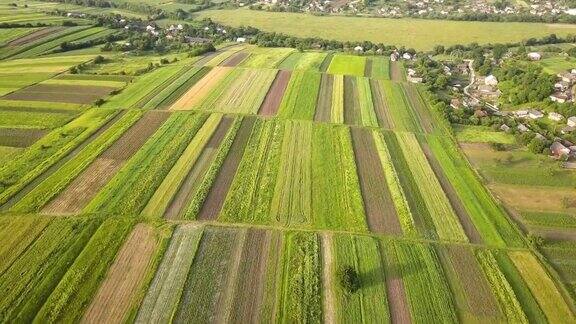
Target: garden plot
324 104
338 104
74 94
303 61
19 137
10 82
299 101
347 65
165 95
196 94
266 57
273 98
56 64
243 91
235 59
380 68
78 193
29 35
403 116
126 280
380 105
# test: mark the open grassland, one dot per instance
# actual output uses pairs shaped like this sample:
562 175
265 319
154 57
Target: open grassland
418 33
482 134
347 64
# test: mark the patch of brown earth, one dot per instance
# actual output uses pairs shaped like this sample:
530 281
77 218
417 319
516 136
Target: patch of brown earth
273 98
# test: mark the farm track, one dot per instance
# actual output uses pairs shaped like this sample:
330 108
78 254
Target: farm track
116 295
198 171
380 106
467 223
324 106
235 59
273 98
32 37
381 215
81 191
215 199
53 168
250 284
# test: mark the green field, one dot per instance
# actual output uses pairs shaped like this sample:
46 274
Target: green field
417 33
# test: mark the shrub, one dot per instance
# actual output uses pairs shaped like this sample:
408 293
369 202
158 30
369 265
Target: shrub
348 279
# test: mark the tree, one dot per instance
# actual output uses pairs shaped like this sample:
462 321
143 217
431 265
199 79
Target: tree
348 279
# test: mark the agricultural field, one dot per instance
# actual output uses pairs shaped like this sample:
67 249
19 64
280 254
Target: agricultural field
258 184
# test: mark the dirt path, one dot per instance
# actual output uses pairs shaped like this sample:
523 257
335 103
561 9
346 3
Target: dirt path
328 283
124 279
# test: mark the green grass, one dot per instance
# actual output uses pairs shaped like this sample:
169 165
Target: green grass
337 109
549 219
445 220
262 57
131 188
557 64
37 158
299 101
367 112
403 116
69 299
250 196
38 270
303 61
370 301
421 34
427 291
380 68
171 92
157 205
26 119
301 300
55 183
482 134
336 197
488 217
165 290
17 233
347 64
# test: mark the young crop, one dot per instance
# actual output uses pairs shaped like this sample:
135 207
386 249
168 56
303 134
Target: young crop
367 112
299 100
337 115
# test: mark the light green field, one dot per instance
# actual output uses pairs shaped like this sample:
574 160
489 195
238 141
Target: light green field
417 33
482 134
557 64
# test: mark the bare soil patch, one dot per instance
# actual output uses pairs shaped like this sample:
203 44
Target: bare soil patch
119 291
273 98
327 278
235 59
60 93
380 106
324 106
20 137
381 214
215 199
34 36
396 73
368 68
136 136
251 277
396 292
80 191
469 227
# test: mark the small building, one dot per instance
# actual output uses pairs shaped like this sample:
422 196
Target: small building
535 114
491 80
479 113
485 88
555 116
559 97
567 77
455 103
407 56
561 86
505 128
522 128
521 113
534 56
415 79
540 137
358 49
394 57
559 150
571 121
241 40
567 130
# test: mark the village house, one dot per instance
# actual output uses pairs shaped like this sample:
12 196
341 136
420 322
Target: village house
561 86
455 103
555 116
358 49
241 40
407 56
505 128
522 128
567 130
559 150
535 114
567 77
559 97
521 113
394 57
534 56
491 80
572 121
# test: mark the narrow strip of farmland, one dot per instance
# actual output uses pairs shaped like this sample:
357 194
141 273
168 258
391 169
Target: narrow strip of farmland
251 278
213 270
380 106
193 179
20 137
368 68
467 223
338 104
416 102
85 187
53 168
381 215
366 103
352 114
201 89
163 295
235 59
397 72
328 284
32 37
154 92
324 102
273 98
326 62
167 95
120 291
217 194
